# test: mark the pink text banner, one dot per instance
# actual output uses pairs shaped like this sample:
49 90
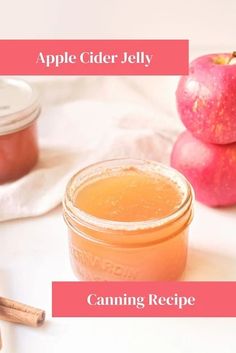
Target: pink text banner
94 57
144 299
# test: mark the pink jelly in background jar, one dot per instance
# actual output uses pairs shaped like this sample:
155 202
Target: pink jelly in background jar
19 110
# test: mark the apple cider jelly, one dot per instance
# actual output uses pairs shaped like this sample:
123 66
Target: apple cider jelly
19 110
128 220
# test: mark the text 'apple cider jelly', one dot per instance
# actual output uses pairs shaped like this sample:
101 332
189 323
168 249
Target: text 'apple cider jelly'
128 220
19 110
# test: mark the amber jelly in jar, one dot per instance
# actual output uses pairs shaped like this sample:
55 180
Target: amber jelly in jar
128 220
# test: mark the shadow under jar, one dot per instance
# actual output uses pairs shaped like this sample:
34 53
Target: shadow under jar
19 110
128 220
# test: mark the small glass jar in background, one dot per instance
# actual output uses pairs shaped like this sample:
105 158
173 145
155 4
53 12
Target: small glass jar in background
19 110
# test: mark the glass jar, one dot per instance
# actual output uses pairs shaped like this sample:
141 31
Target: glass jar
150 250
19 110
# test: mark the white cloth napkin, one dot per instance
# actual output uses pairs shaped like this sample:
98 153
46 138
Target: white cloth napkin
76 134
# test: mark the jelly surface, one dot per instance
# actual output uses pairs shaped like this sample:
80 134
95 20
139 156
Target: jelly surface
130 195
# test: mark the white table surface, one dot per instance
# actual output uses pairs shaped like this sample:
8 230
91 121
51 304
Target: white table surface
33 253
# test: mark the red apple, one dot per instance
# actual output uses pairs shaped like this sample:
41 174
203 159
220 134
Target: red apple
210 168
206 98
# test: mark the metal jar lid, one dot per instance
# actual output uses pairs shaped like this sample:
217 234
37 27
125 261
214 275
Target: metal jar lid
19 105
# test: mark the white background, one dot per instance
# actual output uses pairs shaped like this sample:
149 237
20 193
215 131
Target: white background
34 252
207 24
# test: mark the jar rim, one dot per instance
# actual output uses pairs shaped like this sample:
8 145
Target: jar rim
78 215
22 115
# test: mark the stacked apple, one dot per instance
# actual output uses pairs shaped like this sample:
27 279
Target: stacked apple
206 152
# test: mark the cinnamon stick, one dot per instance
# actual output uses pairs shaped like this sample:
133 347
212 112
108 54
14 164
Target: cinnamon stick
19 313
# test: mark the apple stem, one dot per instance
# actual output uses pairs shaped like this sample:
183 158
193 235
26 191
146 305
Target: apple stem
233 55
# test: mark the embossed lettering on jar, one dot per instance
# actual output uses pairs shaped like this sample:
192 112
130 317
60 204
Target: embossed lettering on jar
19 110
128 220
